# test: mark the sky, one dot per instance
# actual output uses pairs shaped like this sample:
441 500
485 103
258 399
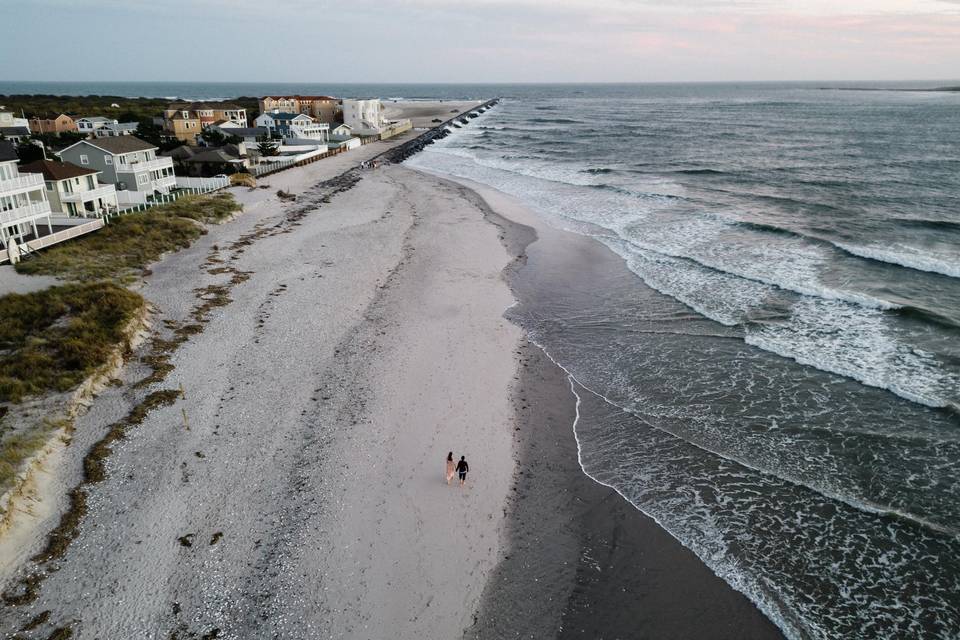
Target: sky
479 40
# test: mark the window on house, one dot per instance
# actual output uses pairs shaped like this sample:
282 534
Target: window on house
84 159
108 159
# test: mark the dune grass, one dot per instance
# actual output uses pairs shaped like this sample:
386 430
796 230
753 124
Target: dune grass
51 340
130 242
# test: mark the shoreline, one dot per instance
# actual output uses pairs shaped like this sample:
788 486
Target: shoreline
573 547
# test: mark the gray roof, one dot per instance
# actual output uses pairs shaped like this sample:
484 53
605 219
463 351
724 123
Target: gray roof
121 144
15 131
96 119
7 151
244 132
213 155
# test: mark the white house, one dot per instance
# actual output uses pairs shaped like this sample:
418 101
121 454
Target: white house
73 190
91 124
125 161
23 200
364 116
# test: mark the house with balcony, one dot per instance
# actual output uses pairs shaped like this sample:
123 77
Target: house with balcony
90 124
23 200
53 124
125 161
74 191
294 126
186 120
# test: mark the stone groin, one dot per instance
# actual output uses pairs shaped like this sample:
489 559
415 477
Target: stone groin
442 130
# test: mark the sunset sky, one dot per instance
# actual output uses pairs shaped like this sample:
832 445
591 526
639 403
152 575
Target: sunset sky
480 40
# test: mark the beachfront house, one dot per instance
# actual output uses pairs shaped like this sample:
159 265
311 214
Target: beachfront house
293 126
364 116
323 108
23 199
55 124
73 190
89 125
186 120
125 161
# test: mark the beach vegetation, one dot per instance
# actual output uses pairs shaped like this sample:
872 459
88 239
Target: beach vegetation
51 340
130 242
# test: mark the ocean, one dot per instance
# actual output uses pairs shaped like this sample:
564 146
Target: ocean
778 382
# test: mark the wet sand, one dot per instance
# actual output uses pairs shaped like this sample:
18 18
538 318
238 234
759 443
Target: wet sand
579 560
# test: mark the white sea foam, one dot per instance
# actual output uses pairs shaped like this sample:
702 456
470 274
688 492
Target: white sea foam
721 270
906 256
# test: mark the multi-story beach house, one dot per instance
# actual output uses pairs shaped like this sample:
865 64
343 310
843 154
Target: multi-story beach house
186 120
23 199
88 125
293 125
125 161
184 125
73 190
323 108
56 124
364 116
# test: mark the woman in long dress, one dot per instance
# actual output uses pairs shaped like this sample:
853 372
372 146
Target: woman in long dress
451 467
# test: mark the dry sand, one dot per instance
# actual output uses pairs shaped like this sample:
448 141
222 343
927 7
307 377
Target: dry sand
422 113
296 490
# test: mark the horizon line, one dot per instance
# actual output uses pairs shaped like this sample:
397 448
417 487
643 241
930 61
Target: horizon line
512 82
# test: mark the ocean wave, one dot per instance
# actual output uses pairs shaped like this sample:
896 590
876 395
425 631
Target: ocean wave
934 225
597 170
555 121
700 172
904 256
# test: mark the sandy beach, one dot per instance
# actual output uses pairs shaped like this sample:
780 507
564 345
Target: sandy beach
319 406
295 487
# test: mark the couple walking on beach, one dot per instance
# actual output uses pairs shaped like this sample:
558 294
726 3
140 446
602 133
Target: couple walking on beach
459 468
